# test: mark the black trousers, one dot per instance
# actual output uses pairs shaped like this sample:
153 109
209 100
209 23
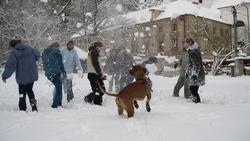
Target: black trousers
96 95
23 90
194 91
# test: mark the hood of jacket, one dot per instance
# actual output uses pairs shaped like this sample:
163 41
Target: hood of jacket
20 46
194 46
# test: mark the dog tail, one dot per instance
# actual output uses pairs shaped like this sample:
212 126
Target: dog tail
102 90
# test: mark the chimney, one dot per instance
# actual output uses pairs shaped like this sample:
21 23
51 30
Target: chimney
155 13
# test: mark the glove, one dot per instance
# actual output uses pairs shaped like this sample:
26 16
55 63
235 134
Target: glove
69 76
80 73
103 77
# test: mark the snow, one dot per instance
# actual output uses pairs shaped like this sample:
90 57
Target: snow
169 59
136 34
118 7
44 1
247 67
224 114
173 10
147 28
81 53
88 14
142 35
226 3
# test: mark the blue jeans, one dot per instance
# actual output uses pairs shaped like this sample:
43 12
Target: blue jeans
57 94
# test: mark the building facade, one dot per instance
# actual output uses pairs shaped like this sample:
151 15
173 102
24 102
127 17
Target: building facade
165 36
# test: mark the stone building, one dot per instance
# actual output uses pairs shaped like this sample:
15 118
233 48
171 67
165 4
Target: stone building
167 26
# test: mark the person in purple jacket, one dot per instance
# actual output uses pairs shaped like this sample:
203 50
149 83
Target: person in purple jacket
22 60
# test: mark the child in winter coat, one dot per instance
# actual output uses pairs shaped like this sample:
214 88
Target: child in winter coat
195 71
53 67
22 60
95 74
70 61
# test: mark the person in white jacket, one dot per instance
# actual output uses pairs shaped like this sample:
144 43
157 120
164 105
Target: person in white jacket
71 61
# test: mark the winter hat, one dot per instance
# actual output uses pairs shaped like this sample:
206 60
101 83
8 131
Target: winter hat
98 43
190 41
70 42
13 43
55 44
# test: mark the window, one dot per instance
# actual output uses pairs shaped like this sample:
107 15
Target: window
174 27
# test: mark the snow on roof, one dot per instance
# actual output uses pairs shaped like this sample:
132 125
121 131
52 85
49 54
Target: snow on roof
173 10
226 3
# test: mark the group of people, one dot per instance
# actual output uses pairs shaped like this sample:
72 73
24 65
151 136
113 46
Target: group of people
117 65
59 64
192 74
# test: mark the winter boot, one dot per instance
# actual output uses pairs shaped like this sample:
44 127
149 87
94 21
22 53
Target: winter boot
89 98
70 96
98 100
33 104
196 99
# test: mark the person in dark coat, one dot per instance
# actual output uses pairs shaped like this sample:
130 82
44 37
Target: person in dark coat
53 67
22 60
150 60
111 67
195 70
95 74
125 62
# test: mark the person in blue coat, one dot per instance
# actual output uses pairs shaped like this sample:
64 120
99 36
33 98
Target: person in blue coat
53 67
71 61
22 60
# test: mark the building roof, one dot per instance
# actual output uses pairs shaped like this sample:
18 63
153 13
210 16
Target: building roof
227 3
173 10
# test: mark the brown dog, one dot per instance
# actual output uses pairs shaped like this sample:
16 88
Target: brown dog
137 90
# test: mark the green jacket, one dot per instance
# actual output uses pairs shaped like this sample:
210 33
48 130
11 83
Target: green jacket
183 64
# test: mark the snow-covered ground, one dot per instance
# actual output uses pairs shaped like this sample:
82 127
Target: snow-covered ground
224 114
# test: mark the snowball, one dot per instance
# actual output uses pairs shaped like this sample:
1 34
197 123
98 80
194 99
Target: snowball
147 29
214 53
136 34
141 35
44 1
78 25
88 14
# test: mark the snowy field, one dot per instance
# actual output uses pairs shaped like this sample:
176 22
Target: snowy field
224 114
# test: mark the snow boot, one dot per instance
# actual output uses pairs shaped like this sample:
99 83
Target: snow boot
89 98
70 96
33 104
98 100
196 99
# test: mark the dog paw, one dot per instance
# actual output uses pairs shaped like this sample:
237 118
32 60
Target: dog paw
136 106
148 109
